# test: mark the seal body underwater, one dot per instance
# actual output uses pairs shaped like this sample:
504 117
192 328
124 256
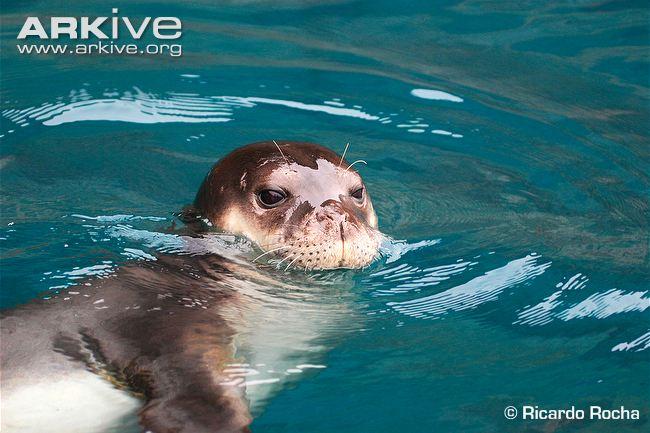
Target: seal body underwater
63 358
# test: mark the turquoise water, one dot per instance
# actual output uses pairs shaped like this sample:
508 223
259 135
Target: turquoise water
516 195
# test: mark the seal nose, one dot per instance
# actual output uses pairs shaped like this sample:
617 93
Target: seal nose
344 209
332 210
330 203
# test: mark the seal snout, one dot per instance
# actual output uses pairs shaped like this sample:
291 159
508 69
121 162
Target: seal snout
329 238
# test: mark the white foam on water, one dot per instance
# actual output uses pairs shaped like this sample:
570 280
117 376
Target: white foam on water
395 249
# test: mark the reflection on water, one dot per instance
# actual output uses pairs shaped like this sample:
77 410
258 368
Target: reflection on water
139 107
475 292
637 345
507 161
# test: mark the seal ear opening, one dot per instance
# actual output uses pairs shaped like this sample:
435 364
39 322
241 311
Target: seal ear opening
194 221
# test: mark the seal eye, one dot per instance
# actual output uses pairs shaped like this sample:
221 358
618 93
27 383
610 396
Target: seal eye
271 197
358 194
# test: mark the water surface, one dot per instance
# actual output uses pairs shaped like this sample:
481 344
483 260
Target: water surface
507 146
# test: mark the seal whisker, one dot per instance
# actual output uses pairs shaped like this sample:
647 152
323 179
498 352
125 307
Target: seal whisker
291 255
357 161
270 251
281 153
343 156
292 262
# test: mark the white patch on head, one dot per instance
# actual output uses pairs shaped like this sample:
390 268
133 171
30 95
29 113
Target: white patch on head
325 182
318 243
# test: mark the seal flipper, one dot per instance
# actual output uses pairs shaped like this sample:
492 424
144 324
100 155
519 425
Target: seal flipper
136 330
184 394
177 363
199 406
183 391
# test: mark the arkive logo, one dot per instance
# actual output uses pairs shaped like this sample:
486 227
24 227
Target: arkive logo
108 31
82 28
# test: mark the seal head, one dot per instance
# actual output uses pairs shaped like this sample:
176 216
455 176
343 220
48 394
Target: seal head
298 200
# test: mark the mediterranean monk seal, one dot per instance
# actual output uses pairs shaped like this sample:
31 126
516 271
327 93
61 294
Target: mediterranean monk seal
133 330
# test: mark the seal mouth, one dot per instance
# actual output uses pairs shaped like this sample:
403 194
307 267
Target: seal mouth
342 243
317 248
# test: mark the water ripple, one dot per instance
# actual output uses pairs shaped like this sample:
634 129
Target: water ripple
541 313
475 292
637 345
601 305
138 106
404 278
